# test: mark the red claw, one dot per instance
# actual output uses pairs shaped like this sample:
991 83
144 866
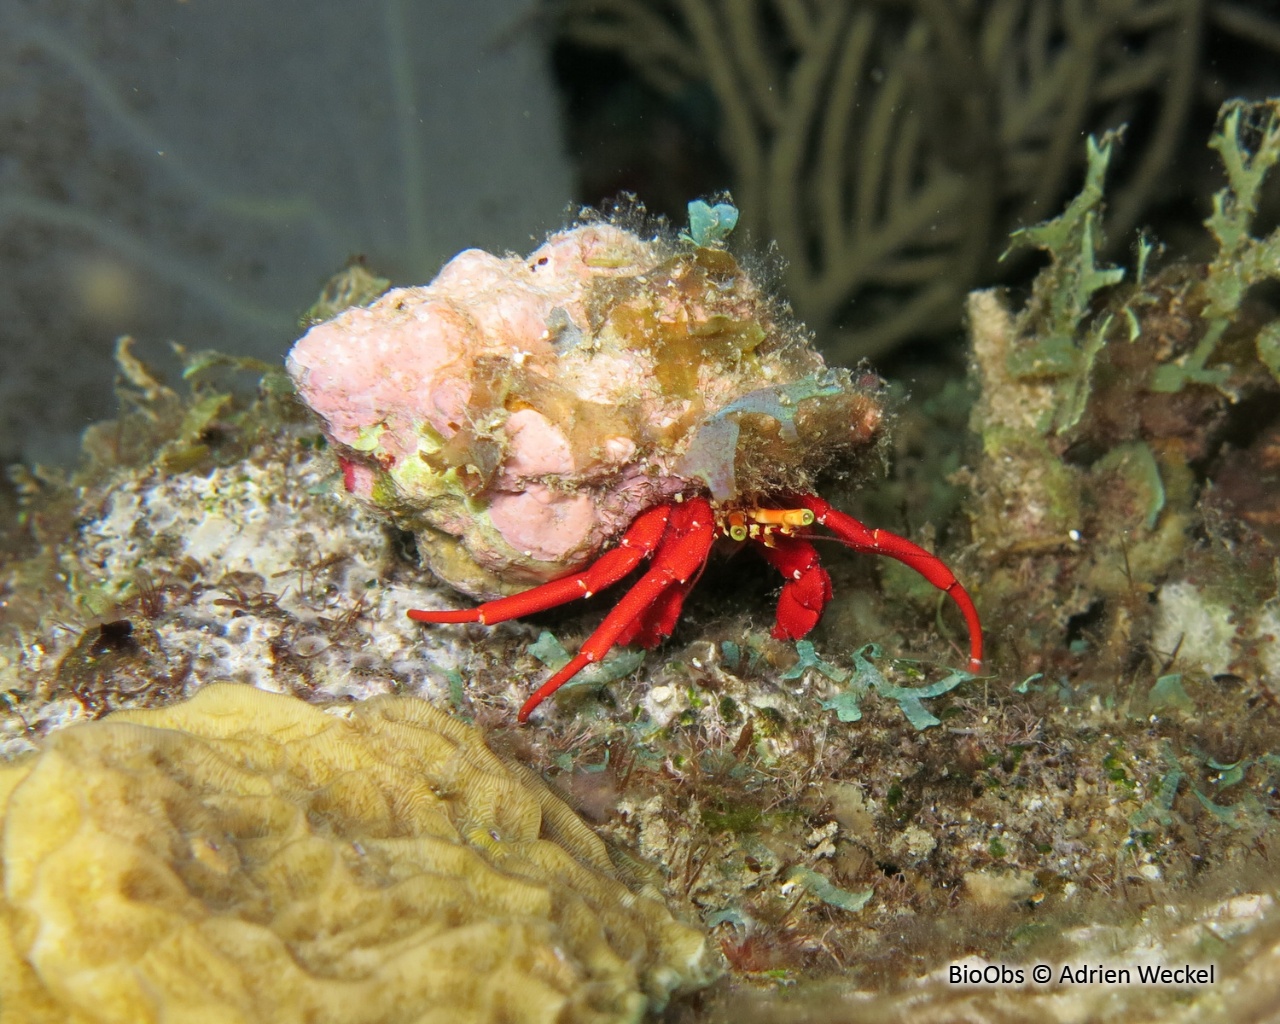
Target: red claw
681 553
807 588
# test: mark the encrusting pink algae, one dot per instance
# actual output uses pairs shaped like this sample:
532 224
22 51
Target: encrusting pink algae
518 413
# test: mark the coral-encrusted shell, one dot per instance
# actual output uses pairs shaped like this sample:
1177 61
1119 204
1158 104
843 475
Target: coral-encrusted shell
518 413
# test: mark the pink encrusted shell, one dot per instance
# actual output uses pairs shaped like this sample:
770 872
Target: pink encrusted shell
517 414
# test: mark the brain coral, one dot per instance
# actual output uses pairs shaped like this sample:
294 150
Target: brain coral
245 857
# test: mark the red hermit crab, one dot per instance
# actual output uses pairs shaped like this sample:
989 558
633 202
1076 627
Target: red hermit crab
618 395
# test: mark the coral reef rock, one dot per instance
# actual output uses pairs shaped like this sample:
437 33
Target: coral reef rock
244 856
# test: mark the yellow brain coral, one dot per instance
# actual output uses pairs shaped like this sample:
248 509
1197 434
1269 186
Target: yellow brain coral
247 857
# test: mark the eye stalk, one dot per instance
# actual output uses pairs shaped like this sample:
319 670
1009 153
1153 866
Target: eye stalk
782 519
741 524
732 524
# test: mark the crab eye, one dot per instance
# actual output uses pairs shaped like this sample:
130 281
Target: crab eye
806 518
738 532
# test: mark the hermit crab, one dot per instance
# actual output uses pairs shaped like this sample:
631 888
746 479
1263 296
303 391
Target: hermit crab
622 394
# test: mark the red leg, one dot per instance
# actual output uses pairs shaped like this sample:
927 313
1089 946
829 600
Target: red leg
655 623
640 540
681 553
807 588
881 542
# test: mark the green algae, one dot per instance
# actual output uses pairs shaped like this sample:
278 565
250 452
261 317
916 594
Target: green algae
1058 349
1247 140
